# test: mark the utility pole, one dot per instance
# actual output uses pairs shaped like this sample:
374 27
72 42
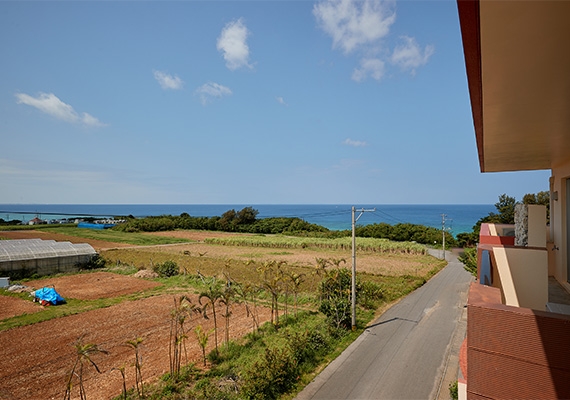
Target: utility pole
443 234
353 291
443 229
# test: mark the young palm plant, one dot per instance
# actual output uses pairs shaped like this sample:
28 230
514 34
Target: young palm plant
183 308
272 281
296 281
246 293
135 343
203 336
210 297
227 299
83 355
122 369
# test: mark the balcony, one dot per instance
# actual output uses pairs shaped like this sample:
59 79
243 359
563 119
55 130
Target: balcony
514 352
518 319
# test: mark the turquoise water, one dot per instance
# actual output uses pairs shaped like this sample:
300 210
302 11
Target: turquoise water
459 217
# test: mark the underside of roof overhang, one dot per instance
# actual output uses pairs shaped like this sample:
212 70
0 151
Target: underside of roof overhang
517 59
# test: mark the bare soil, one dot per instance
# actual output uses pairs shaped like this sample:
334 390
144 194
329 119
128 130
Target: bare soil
13 306
36 359
96 285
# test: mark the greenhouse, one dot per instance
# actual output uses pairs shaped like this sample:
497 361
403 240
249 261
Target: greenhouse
29 257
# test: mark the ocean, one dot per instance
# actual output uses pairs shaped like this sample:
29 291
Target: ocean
458 217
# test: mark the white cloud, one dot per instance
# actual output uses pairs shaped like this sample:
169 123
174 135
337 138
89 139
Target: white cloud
369 66
354 143
167 81
52 105
90 120
281 100
363 27
232 44
409 56
353 24
211 91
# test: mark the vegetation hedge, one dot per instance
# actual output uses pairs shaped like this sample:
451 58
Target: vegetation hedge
246 221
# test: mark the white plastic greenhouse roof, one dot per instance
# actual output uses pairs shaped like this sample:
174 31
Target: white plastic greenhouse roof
29 249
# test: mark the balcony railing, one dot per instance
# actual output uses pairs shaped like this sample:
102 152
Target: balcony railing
515 352
521 273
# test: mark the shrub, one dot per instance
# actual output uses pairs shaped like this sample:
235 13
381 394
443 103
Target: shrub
95 262
369 295
166 269
307 348
453 391
276 373
336 303
469 260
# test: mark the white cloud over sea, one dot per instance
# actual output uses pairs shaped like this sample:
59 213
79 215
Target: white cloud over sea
50 104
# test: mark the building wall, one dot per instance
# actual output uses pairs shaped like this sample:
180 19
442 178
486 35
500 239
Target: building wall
43 266
523 274
558 212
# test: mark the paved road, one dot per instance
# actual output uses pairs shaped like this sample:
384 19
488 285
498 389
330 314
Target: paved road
403 354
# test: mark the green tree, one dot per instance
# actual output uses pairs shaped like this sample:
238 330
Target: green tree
246 215
506 209
228 220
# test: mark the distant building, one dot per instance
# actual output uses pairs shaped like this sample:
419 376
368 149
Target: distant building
36 221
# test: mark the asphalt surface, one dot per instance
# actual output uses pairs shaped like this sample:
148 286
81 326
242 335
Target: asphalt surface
405 353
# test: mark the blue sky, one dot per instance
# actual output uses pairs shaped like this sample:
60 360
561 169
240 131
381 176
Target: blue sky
239 102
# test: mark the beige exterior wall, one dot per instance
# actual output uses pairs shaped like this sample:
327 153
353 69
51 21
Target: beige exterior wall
523 276
536 226
558 212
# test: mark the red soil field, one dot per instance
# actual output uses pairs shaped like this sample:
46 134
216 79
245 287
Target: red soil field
36 359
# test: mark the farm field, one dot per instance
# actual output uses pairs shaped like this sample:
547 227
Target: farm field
37 367
119 307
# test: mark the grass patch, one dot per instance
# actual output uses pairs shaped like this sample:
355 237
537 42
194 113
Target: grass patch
267 364
109 235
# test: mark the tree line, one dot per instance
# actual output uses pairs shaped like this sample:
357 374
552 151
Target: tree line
246 221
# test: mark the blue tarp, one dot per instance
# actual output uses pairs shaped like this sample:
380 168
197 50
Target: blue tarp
49 295
89 225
